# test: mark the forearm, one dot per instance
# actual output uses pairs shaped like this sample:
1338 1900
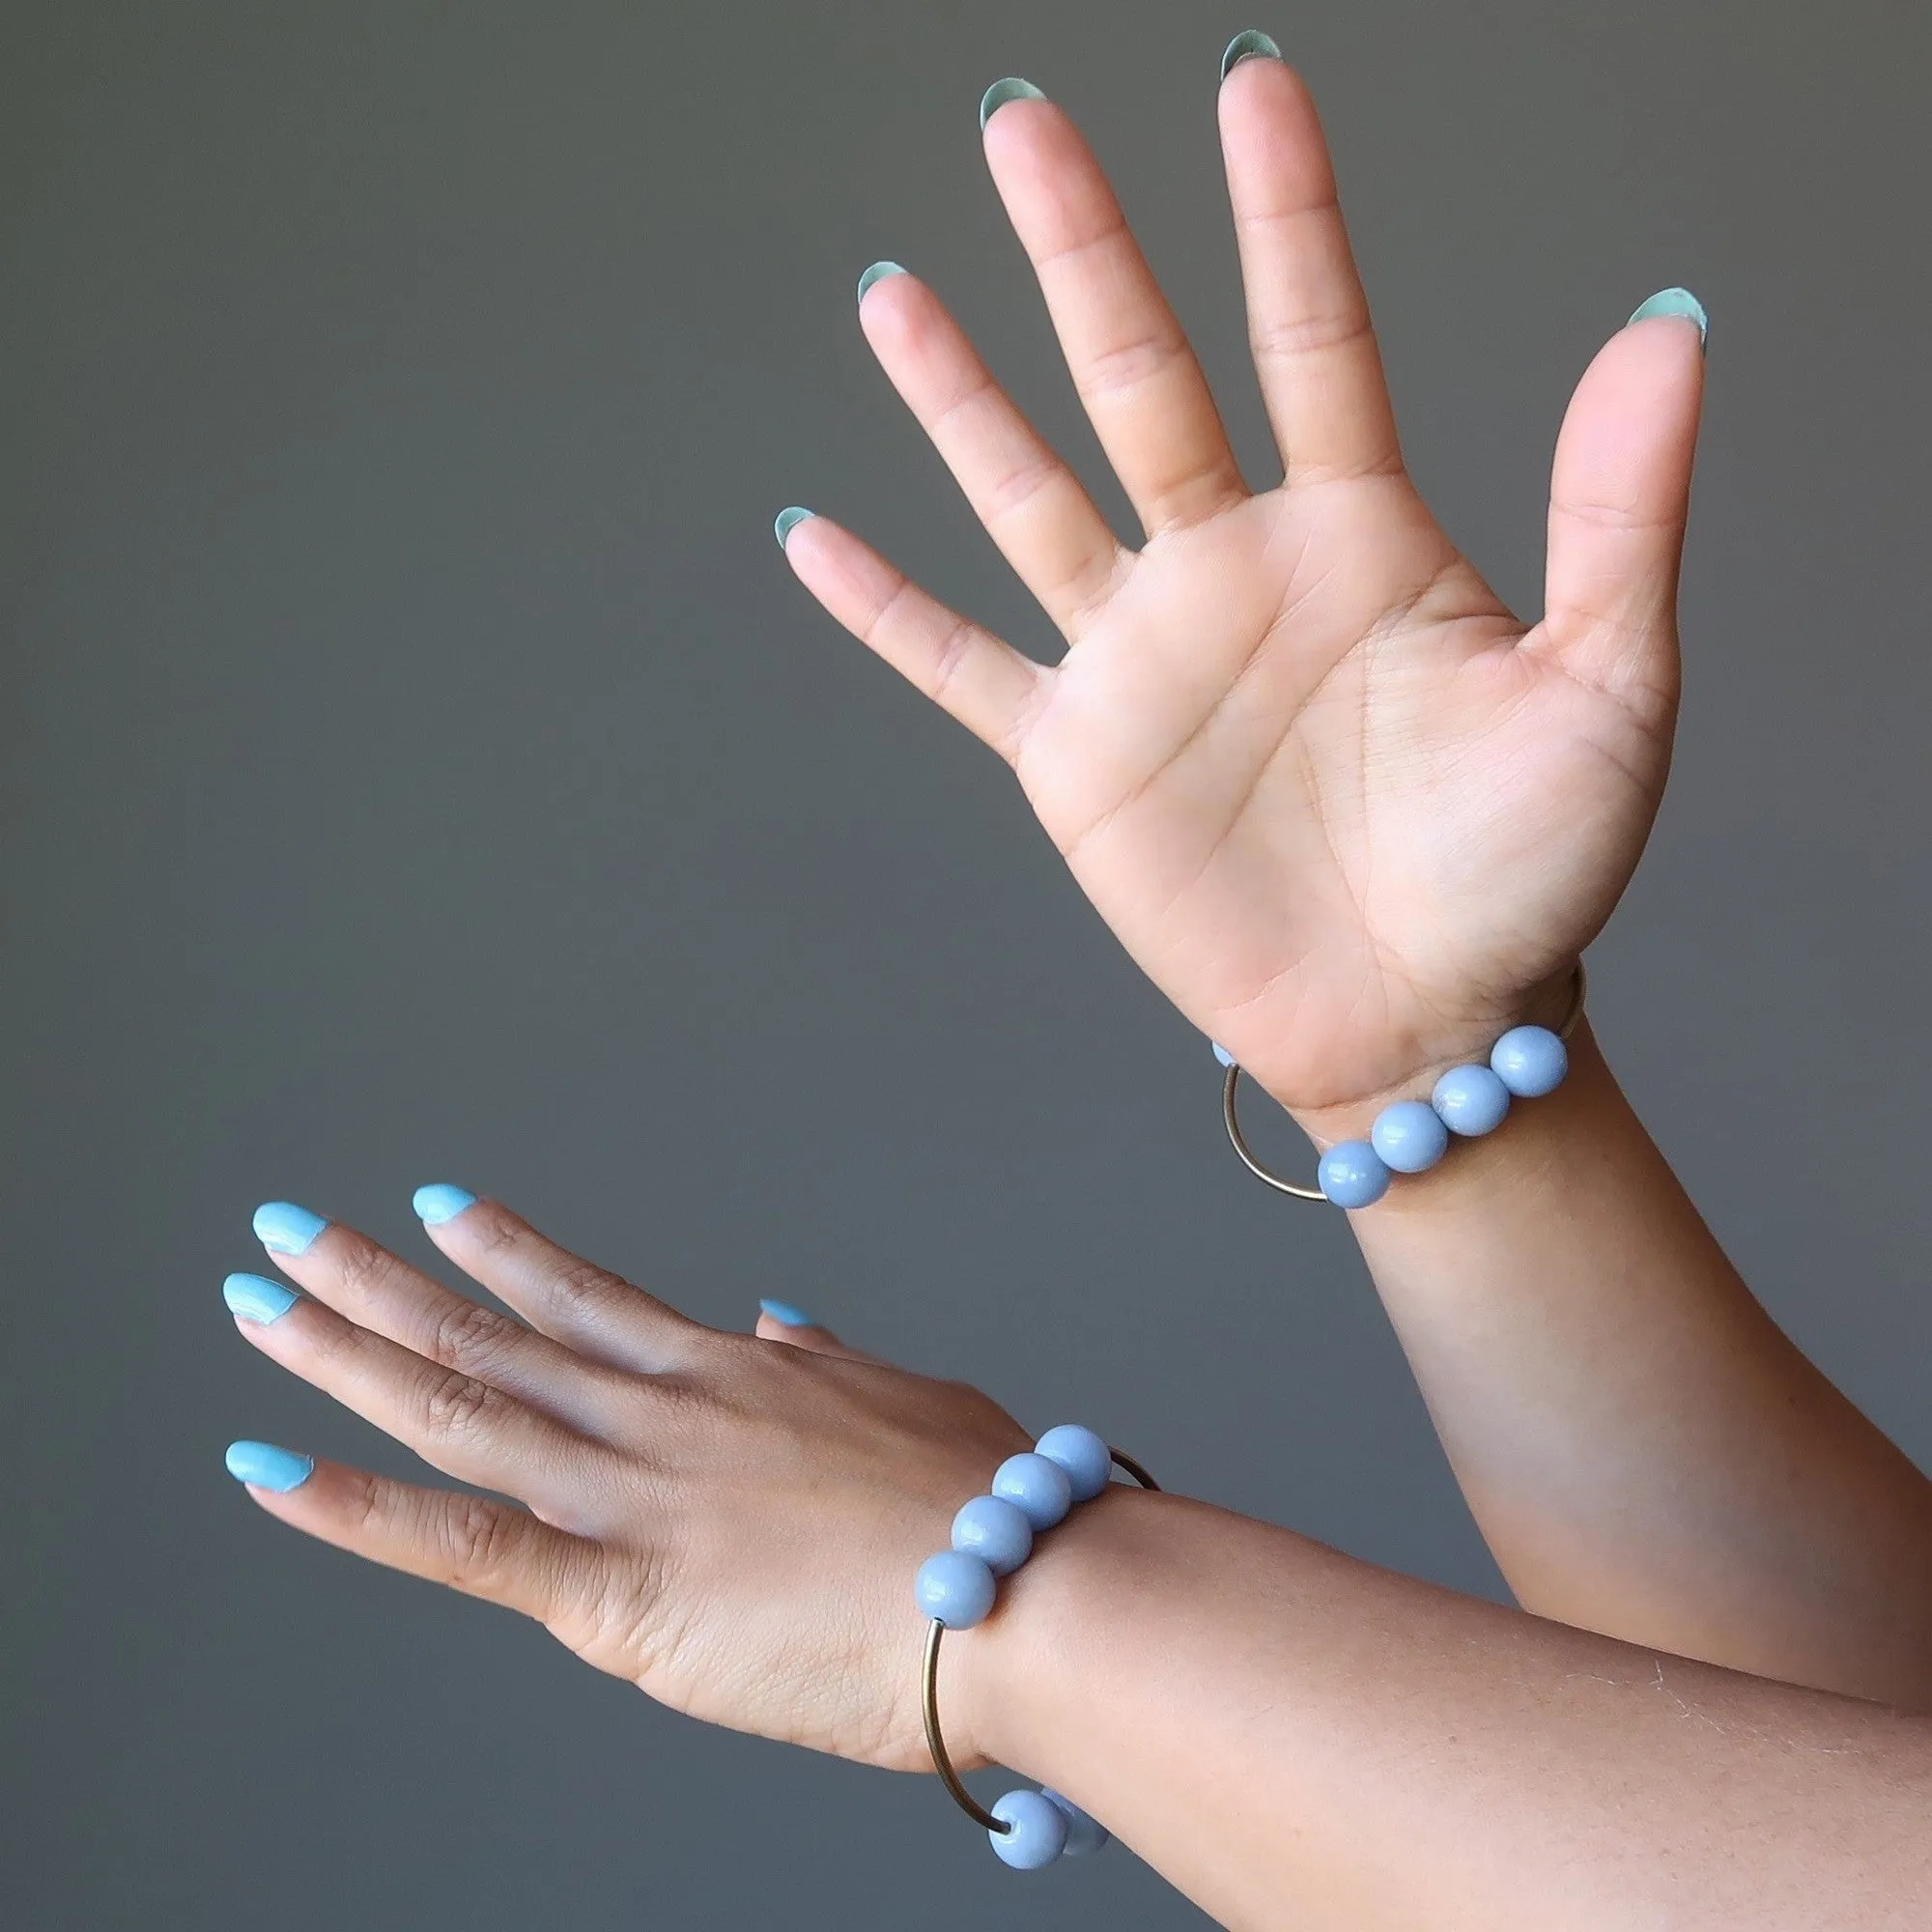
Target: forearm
1646 1453
1296 1739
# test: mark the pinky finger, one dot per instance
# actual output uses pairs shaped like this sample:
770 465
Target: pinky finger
473 1544
974 676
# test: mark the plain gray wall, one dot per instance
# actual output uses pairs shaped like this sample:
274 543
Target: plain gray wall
418 764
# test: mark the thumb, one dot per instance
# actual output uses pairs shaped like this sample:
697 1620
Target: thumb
780 1322
1619 492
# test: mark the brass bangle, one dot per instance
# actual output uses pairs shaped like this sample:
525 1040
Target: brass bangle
1580 986
928 1687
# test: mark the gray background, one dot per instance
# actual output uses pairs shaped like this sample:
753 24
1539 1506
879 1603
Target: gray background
419 764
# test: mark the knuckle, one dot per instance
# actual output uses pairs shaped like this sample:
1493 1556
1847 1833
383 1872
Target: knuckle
1315 332
1119 371
472 1337
478 1542
457 1407
580 1286
363 1270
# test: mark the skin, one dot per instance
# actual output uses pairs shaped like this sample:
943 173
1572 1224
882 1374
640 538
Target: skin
1355 821
1354 818
731 1523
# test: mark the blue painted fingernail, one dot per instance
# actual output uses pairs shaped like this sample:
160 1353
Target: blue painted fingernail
996 96
792 1318
284 1229
1674 301
439 1201
254 1297
877 272
264 1466
1250 45
788 520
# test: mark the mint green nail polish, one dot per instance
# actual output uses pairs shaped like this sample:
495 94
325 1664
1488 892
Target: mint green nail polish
996 96
877 272
1674 301
787 521
1253 44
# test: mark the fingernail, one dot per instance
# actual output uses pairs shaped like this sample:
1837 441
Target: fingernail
792 1318
254 1297
996 96
284 1229
787 521
1253 44
439 1201
877 272
1674 301
264 1466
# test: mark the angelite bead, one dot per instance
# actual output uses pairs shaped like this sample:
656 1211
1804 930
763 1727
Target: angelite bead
1038 1831
1410 1136
1471 1101
1038 1488
1530 1061
1084 1835
1353 1175
955 1588
995 1531
1086 1460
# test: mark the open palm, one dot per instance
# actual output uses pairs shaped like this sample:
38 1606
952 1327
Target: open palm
1351 814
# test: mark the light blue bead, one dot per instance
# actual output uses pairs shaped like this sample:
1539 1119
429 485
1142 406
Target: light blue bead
1085 1456
1084 1835
954 1588
1037 1487
1470 1099
995 1531
1530 1061
1353 1175
1410 1136
1222 1054
1039 1833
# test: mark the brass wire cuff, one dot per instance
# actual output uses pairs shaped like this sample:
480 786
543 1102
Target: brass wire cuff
1238 1141
929 1689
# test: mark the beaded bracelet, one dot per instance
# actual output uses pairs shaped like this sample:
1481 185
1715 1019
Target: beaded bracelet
1410 1136
992 1536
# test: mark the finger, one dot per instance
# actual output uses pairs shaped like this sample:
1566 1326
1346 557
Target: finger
477 1544
1145 395
590 1310
1315 352
1032 506
1620 490
968 673
467 1428
781 1321
375 1291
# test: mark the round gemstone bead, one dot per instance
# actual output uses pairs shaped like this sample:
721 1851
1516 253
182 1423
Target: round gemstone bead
1039 1830
1222 1054
1530 1061
1410 1136
955 1588
1083 1834
1353 1175
995 1531
1038 1488
1471 1101
1086 1460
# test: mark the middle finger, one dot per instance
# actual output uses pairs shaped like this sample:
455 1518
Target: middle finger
1145 393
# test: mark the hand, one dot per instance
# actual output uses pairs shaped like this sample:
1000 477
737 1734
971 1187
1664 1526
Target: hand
731 1523
1349 813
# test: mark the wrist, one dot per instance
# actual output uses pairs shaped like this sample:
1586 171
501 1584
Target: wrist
1546 1004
